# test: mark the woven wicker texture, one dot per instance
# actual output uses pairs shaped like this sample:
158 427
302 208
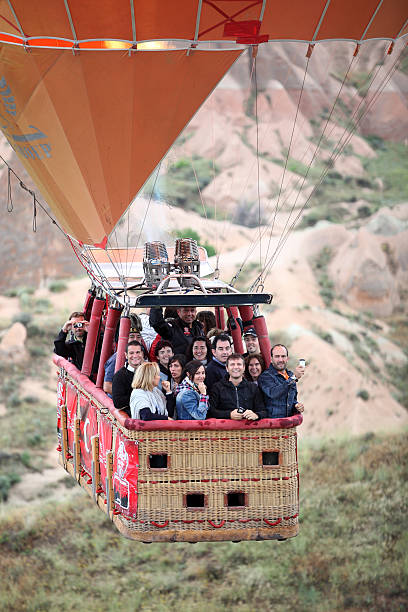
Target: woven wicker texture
214 481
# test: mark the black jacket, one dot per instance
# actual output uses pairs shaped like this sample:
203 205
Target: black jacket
213 373
176 331
226 397
74 351
122 389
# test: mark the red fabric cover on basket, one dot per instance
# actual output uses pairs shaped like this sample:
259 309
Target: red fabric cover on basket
137 425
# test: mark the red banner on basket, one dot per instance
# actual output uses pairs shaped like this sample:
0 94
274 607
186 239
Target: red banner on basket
88 428
72 398
61 394
125 475
105 445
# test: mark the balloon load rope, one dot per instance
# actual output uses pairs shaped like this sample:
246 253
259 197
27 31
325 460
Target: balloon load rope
36 201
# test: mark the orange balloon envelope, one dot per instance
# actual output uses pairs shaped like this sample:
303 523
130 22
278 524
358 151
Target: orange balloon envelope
93 94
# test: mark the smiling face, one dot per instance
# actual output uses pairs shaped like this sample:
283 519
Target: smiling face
254 368
199 350
252 344
199 376
187 315
164 355
175 370
235 368
134 356
279 358
222 351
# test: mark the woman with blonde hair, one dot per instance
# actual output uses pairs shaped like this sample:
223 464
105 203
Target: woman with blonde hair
147 402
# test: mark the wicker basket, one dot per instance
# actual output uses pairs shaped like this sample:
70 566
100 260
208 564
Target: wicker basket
192 481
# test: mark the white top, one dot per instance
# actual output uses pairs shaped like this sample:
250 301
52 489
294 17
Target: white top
154 400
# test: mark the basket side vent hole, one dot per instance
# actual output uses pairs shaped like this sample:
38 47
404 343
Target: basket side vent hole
236 499
270 458
158 461
195 500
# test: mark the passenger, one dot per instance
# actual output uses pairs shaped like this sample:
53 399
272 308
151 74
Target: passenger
234 397
73 348
170 387
221 350
192 398
215 331
170 313
207 320
200 349
163 352
254 366
179 332
148 333
278 385
147 402
251 342
122 380
110 364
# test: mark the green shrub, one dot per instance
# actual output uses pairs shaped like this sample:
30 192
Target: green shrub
363 393
57 286
6 482
22 317
42 305
38 351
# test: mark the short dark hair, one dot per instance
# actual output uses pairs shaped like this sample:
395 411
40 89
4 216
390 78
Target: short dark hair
76 315
220 338
137 343
191 368
280 344
161 344
134 343
189 352
180 358
235 356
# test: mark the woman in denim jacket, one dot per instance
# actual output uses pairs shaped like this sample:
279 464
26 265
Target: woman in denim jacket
192 398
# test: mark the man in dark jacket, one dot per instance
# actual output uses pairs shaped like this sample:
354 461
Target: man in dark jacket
234 397
278 385
179 331
123 378
74 347
221 350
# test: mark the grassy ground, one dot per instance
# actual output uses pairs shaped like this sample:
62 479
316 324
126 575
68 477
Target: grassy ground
351 554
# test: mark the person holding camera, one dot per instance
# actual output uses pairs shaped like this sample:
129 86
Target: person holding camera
72 346
234 397
278 384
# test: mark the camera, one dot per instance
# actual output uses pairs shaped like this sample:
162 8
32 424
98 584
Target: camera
240 410
78 325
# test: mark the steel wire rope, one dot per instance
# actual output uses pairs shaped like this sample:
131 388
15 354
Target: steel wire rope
257 164
290 147
53 221
225 229
10 172
339 147
235 277
372 101
317 148
253 246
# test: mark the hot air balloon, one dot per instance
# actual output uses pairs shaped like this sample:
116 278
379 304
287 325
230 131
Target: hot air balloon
92 96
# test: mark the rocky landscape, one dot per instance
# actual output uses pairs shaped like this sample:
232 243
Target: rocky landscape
336 233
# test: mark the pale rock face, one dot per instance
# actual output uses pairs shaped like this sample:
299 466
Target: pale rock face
364 274
12 343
